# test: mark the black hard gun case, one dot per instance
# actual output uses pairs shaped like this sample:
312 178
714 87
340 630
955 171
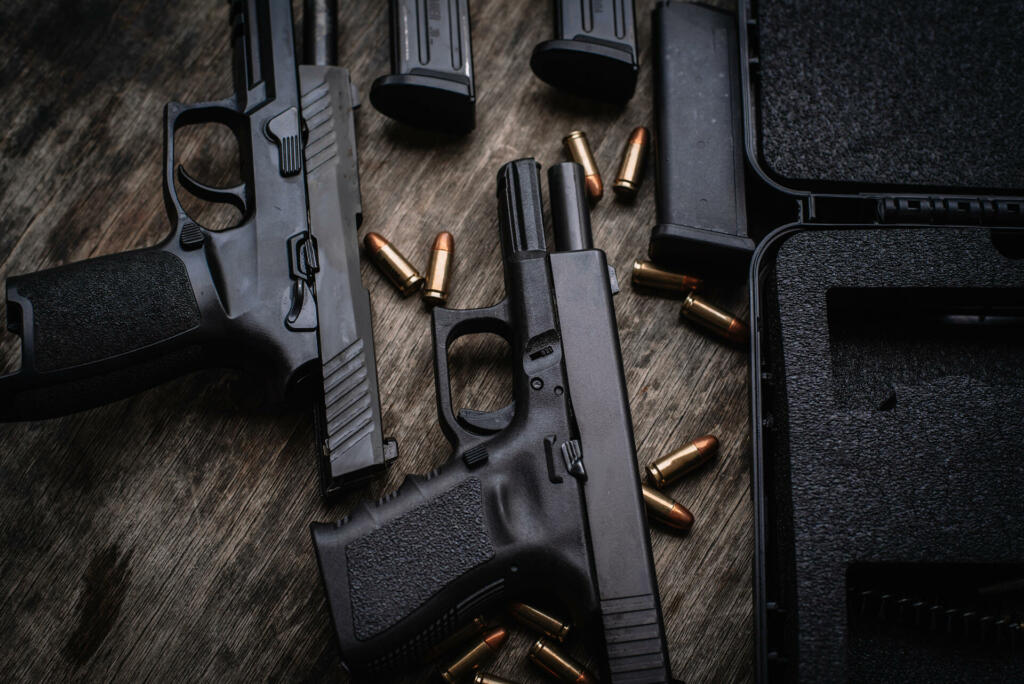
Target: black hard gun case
885 177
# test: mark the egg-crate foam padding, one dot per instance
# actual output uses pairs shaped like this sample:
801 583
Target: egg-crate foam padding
915 459
898 93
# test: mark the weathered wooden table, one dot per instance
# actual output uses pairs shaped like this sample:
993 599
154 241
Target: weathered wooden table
165 537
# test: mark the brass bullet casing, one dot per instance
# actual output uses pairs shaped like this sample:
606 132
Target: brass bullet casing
682 461
474 628
435 287
471 660
559 665
631 170
647 275
666 510
540 621
579 149
724 324
394 265
487 678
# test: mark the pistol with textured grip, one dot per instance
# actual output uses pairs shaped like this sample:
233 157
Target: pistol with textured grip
278 295
540 497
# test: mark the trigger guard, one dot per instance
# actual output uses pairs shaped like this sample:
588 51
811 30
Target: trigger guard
449 325
487 422
238 196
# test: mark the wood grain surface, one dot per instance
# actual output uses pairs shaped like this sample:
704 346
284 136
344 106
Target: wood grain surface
165 537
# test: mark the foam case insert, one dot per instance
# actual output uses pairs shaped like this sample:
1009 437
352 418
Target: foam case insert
877 92
891 384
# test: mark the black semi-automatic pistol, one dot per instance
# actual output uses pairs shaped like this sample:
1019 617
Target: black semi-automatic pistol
279 294
540 499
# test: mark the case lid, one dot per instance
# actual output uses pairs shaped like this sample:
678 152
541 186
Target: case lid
854 96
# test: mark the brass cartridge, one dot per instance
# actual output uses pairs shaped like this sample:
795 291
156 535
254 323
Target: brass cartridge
559 665
435 287
475 627
720 322
487 678
395 266
666 510
579 149
471 660
631 170
540 621
647 275
681 461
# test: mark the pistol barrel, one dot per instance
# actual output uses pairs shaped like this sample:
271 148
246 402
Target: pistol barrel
320 32
570 214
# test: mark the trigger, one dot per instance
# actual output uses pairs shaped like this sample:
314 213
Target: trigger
238 196
487 422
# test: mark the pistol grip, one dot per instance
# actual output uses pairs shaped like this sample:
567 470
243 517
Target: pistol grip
405 572
449 325
100 330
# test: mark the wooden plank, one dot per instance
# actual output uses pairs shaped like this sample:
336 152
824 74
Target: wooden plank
165 537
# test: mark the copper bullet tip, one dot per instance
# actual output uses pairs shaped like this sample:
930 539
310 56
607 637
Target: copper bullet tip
496 638
444 242
666 510
706 445
738 332
374 242
639 136
680 518
595 188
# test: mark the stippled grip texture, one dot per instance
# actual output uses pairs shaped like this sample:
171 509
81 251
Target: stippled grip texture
105 307
394 569
79 321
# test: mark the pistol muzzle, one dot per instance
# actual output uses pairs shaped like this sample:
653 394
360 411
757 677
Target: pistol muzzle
666 510
722 323
393 263
435 287
647 275
682 461
559 665
471 660
539 621
579 149
631 170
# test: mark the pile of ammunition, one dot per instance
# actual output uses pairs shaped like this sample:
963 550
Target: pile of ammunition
667 470
631 168
649 278
544 653
404 276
